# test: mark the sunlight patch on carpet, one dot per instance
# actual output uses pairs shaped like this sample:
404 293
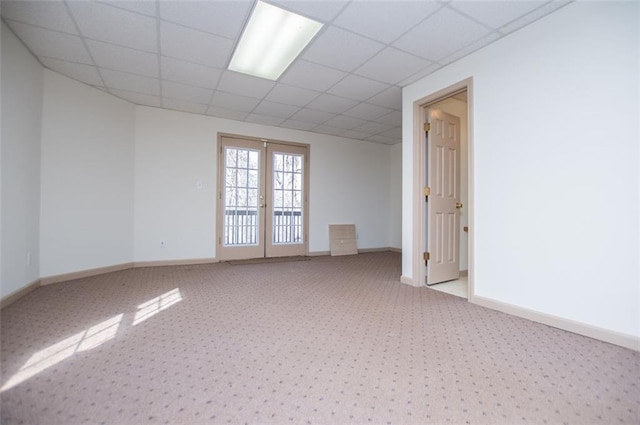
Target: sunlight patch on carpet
156 305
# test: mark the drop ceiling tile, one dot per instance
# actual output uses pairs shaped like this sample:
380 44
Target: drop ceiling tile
420 74
345 122
311 76
325 129
393 118
226 113
322 11
145 7
283 93
298 125
186 93
358 88
385 20
311 115
194 46
234 101
354 49
245 85
123 59
224 18
495 14
470 48
392 66
394 133
331 103
451 30
189 73
358 135
131 82
390 98
381 139
47 14
106 23
274 109
373 127
367 111
137 98
52 44
180 105
86 73
263 119
533 16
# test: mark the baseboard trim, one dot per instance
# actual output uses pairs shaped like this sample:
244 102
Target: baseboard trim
188 262
617 338
360 251
84 273
395 250
16 295
407 280
464 273
318 254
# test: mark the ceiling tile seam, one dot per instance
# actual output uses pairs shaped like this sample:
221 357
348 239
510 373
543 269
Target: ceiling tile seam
8 21
135 12
355 71
264 98
84 43
195 29
466 15
159 54
36 57
500 30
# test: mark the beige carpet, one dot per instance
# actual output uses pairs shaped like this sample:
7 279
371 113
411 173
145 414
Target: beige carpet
333 340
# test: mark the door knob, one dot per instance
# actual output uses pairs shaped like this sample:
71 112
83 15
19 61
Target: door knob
458 205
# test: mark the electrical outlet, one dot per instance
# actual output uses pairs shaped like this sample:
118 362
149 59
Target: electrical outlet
162 245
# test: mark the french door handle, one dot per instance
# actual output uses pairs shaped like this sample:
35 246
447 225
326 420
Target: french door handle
458 205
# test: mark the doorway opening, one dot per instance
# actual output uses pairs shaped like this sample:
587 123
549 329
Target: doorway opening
262 198
443 205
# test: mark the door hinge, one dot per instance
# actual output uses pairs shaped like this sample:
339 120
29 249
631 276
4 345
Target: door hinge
425 256
426 191
427 127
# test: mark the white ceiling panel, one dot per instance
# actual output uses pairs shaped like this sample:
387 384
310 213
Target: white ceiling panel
189 73
244 85
384 20
131 82
495 14
311 76
322 11
311 115
354 49
186 93
331 103
85 73
389 98
52 44
173 54
344 122
224 18
296 96
231 114
274 109
264 119
358 88
234 101
138 98
106 23
368 112
452 30
120 58
194 46
392 66
181 105
47 14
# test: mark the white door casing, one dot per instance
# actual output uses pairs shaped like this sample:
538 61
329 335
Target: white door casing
443 205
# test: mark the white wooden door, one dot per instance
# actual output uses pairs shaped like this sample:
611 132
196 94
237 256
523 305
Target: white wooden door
262 199
443 203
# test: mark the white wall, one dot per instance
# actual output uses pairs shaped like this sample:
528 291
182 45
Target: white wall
349 183
556 165
395 197
87 178
20 152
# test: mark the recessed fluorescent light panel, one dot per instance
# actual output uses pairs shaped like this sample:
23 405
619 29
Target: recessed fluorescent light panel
272 39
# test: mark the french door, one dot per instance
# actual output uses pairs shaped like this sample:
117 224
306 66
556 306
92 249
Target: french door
262 201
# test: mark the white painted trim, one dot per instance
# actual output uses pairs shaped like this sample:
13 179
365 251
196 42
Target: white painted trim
84 273
162 263
16 295
617 338
319 253
408 281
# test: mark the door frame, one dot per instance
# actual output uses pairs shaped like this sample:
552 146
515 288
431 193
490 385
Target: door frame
218 200
419 177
